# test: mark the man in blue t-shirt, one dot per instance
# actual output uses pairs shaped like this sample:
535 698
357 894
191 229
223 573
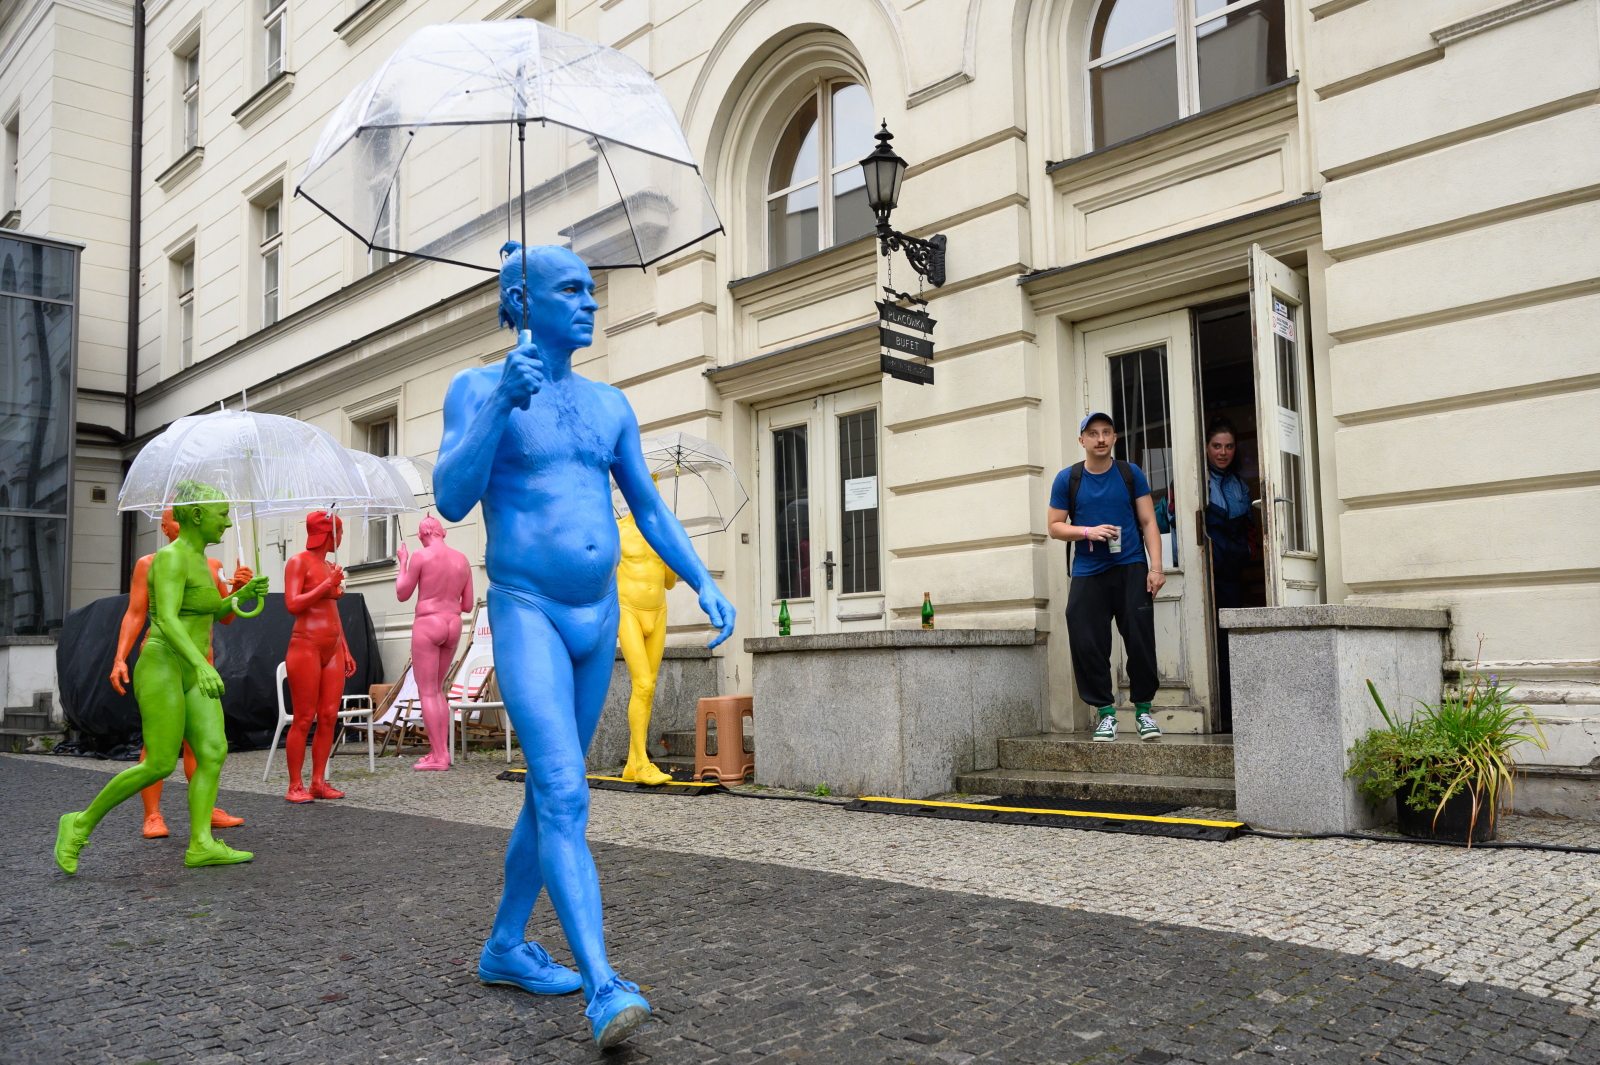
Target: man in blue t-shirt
1111 524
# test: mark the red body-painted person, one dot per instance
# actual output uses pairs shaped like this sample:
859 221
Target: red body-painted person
155 826
318 659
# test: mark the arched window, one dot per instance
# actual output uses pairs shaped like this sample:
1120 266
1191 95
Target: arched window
825 140
1152 62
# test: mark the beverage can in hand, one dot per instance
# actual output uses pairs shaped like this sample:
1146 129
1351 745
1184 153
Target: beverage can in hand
1115 542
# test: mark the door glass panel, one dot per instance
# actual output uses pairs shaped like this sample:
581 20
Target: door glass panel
1240 53
858 476
1291 436
1140 408
792 524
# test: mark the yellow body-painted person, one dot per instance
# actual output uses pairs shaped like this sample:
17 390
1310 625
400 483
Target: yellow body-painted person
642 583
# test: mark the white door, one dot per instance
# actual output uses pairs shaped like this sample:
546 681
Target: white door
1140 374
1288 495
819 524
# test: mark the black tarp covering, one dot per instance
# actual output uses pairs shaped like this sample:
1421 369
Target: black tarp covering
246 653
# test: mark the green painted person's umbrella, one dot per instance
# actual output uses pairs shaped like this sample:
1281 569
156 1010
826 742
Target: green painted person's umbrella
273 465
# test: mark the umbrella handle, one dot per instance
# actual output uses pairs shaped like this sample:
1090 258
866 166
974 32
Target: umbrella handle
255 539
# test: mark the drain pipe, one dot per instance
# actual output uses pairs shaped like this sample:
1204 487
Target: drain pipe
135 218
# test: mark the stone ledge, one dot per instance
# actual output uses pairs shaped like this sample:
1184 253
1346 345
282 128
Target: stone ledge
897 639
671 652
1332 616
27 641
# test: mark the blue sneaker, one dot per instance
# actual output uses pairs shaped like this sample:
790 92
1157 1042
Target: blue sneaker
528 967
616 1011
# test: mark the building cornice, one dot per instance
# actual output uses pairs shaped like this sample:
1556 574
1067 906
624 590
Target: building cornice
187 164
364 18
1491 19
1185 262
264 98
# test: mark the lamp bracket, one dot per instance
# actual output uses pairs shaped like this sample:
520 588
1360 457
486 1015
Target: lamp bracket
925 256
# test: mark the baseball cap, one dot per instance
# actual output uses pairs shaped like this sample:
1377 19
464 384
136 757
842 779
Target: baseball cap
1097 414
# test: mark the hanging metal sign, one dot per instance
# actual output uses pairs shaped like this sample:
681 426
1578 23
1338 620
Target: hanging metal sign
904 343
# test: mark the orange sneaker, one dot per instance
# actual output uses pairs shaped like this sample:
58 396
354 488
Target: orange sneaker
298 793
155 827
321 789
221 818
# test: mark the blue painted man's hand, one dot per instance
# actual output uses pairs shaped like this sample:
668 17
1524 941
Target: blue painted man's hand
522 376
718 609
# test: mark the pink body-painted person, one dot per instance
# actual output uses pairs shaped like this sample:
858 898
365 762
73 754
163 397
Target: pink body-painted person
444 577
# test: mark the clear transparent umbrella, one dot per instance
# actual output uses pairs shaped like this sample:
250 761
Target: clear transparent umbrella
696 479
417 473
476 133
265 463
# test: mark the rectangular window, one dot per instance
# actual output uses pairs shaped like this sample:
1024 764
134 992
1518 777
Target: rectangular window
382 533
791 491
184 269
1144 424
1240 52
13 173
272 28
191 100
858 476
271 260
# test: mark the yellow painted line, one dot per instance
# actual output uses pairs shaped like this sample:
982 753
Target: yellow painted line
1063 813
680 783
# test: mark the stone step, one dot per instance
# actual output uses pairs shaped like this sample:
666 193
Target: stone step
1129 787
1076 752
680 744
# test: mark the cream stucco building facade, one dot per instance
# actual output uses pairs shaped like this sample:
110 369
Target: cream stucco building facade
1359 231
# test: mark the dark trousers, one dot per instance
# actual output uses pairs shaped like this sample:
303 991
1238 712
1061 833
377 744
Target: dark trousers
1092 603
1227 590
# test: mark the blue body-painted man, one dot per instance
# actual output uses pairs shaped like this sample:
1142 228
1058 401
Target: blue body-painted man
535 443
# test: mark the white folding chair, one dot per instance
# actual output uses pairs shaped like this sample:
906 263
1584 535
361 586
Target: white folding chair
466 702
347 717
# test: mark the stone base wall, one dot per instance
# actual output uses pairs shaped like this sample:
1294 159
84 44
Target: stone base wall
1300 701
898 713
688 674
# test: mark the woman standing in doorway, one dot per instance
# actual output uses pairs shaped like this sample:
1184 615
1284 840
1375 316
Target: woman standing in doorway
1228 522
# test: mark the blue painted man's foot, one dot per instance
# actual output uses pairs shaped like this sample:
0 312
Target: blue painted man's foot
616 1011
527 966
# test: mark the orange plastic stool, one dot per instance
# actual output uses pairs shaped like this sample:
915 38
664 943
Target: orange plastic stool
730 764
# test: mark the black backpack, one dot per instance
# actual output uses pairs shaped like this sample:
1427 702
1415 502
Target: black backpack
1075 480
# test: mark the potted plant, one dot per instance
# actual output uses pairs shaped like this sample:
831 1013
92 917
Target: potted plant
1449 766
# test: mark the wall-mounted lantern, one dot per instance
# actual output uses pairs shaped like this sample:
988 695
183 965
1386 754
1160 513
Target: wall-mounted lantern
884 172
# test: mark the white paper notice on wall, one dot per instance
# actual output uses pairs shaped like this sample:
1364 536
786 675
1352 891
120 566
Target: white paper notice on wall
1289 431
861 493
1283 320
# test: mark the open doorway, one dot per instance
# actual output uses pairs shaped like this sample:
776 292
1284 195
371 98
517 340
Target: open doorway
1231 486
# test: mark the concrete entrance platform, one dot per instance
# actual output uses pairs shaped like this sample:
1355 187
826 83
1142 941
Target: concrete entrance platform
1191 769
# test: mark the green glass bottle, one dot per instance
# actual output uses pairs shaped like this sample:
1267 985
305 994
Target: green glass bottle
783 618
927 610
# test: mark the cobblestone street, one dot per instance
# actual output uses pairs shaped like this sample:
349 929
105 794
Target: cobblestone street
776 930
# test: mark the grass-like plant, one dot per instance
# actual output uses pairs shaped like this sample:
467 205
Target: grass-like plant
1464 743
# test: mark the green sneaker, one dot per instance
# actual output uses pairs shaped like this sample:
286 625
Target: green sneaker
1106 731
214 853
69 841
1148 729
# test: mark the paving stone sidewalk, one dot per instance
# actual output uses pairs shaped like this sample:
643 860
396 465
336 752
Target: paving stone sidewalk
353 935
1522 919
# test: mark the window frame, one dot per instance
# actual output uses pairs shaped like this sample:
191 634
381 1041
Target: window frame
11 195
275 15
189 100
821 91
1185 29
185 269
390 525
270 251
388 227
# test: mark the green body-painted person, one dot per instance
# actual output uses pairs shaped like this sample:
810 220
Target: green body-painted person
177 689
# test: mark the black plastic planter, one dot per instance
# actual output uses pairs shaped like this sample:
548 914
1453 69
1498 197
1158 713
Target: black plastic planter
1452 823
